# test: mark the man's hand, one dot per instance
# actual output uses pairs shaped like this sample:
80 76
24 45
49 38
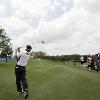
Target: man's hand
17 50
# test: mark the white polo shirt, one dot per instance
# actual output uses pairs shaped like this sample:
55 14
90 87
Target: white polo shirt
82 58
24 57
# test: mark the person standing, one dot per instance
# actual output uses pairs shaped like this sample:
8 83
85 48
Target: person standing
92 63
98 62
20 70
82 60
89 62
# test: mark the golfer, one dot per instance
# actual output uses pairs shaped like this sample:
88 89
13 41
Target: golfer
20 70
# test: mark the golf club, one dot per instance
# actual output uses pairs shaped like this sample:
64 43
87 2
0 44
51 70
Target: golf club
32 43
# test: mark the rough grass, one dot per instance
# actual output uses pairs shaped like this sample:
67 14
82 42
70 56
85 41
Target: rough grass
49 80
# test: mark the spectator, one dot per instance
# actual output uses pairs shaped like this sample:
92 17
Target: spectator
82 60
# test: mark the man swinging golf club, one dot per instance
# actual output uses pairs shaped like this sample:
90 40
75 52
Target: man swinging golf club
20 70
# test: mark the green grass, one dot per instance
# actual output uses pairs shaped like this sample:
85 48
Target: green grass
50 80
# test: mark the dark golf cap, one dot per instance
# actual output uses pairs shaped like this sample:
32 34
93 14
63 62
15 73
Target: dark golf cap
28 47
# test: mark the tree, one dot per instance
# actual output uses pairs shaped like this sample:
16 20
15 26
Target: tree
5 45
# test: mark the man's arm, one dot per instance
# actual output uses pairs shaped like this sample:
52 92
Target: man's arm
16 53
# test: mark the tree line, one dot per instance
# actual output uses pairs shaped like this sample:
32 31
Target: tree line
73 57
5 44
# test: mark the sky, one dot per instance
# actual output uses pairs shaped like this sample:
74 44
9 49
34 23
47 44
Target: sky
66 26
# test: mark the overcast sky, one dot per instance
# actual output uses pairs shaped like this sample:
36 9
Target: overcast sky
66 26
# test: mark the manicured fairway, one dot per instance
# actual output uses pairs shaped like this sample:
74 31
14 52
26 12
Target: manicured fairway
49 80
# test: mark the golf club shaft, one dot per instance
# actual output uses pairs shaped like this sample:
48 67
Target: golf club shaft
32 43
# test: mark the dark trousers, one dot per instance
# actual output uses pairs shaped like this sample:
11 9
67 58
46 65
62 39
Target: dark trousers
21 81
98 66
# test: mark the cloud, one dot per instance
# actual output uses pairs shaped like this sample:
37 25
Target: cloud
66 26
92 6
6 9
57 8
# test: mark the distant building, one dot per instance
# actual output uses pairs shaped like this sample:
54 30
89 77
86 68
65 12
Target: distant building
32 53
37 54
